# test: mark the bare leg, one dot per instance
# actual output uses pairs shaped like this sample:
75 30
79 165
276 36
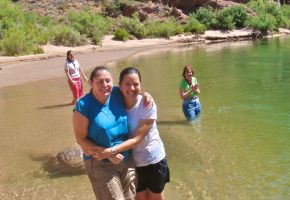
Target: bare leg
142 195
155 196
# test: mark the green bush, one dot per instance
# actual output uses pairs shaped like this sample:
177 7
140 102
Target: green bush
272 8
286 13
133 26
22 32
17 42
263 23
239 15
276 11
269 16
112 8
224 20
162 29
67 36
96 37
121 34
257 5
10 15
206 16
194 26
88 23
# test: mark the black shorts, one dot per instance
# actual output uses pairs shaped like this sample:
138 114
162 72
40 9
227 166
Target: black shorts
153 177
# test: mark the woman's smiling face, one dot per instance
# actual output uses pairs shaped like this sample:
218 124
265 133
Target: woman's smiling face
102 85
188 73
130 86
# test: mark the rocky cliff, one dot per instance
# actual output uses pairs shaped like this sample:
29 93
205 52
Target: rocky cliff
57 8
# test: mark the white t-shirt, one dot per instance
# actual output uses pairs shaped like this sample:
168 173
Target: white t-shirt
73 68
151 149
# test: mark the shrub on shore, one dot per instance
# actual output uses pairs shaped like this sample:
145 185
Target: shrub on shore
194 26
165 29
89 24
64 35
18 42
133 26
206 16
269 16
20 33
121 34
23 32
286 13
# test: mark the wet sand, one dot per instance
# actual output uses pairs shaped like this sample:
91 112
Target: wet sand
18 72
23 69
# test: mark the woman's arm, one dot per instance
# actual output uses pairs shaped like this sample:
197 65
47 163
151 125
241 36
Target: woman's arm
80 125
148 99
194 88
142 130
84 75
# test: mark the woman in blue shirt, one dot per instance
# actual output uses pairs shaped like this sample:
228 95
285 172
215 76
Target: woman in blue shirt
100 118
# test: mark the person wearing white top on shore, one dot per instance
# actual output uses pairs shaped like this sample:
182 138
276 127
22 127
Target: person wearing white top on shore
147 147
73 72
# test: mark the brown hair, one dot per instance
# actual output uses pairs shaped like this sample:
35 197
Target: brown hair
187 68
98 68
67 53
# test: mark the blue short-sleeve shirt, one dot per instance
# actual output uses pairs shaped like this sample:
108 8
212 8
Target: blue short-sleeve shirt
108 124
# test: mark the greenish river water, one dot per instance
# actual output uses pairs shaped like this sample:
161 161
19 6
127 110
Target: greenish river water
239 148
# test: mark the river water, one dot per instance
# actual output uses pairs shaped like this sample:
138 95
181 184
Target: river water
239 148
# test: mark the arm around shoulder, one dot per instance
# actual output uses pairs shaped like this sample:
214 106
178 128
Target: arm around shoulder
142 130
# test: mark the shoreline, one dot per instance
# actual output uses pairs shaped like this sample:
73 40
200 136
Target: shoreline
22 69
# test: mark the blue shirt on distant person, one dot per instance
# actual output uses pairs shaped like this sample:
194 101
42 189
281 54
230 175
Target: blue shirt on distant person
108 125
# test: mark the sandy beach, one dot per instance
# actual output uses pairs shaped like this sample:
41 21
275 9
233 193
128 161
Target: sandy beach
22 69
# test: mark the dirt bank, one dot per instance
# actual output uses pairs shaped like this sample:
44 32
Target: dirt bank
22 69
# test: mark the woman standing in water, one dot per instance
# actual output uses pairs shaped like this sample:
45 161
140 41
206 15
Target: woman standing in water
73 72
188 92
100 118
148 150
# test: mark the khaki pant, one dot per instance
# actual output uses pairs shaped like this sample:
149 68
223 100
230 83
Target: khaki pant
110 181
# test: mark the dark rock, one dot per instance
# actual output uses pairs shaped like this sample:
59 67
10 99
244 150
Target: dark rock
177 13
128 10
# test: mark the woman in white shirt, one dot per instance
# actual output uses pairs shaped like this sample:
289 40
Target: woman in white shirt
147 147
73 72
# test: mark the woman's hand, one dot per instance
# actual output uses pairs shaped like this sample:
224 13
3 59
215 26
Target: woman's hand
102 153
73 82
116 159
194 87
148 99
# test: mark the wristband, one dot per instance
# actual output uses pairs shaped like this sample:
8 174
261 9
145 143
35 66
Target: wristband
113 150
